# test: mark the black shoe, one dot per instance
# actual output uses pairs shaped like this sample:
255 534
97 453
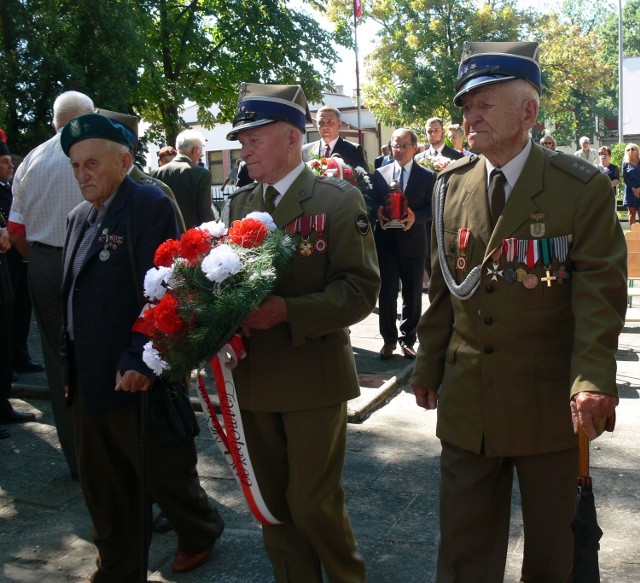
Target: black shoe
386 352
4 433
28 366
161 523
14 416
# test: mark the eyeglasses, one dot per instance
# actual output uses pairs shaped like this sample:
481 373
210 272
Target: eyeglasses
401 146
631 149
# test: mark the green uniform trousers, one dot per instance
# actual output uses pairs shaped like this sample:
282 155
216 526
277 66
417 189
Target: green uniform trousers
475 505
298 459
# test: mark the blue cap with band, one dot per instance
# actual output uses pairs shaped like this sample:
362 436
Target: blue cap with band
487 63
261 104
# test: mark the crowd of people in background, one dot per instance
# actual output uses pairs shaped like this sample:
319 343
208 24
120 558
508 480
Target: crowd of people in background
79 203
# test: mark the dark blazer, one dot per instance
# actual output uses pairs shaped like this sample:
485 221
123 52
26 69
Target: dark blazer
419 188
351 153
105 301
447 152
191 185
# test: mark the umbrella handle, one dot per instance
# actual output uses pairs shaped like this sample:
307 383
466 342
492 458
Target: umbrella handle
583 455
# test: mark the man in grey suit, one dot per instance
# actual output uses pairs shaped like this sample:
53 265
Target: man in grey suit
190 183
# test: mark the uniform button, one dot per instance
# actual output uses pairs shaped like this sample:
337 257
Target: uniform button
488 320
490 289
488 349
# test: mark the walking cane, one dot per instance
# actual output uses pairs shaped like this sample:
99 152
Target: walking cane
144 506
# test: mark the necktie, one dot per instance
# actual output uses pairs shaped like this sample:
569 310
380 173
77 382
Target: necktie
496 195
327 151
402 179
270 196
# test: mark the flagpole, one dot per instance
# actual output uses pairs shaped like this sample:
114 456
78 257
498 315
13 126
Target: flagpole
620 76
356 8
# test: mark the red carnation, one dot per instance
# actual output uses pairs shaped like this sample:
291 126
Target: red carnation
347 173
193 243
247 233
165 315
166 253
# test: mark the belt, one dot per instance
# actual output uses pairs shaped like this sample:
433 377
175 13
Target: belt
45 246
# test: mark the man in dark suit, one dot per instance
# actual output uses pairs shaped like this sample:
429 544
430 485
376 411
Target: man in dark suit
384 152
299 371
189 182
22 361
6 324
104 367
401 251
437 147
330 143
15 307
514 344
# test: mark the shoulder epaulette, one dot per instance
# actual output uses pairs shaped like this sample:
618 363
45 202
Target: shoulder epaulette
461 163
577 167
339 182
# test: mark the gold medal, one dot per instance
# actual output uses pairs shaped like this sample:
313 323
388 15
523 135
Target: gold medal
537 225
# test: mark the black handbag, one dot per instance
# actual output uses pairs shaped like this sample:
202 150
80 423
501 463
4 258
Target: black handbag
171 416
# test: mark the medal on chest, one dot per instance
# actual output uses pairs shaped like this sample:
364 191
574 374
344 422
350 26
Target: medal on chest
463 240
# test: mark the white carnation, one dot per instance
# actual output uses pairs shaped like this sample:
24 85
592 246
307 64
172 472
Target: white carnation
220 263
264 218
151 358
215 228
156 282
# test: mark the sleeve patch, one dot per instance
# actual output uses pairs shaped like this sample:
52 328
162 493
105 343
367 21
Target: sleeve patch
362 223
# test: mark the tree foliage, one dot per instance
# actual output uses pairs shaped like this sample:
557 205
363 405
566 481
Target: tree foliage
201 50
149 57
411 72
50 46
575 77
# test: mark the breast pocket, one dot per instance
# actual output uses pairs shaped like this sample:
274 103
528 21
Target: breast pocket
458 259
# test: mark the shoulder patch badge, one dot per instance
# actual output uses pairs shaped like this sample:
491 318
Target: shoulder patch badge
362 223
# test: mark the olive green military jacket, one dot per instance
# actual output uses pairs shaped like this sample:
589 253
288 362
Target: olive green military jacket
508 359
331 282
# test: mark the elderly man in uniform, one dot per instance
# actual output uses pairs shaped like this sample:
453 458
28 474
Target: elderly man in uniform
527 301
299 372
104 357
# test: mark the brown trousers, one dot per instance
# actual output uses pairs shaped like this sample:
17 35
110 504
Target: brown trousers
475 505
298 459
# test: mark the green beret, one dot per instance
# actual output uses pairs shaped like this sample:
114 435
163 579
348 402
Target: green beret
92 125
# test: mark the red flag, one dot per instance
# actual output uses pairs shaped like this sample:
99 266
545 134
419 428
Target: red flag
357 8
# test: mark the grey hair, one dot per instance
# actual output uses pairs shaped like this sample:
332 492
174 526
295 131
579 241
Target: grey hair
189 139
68 105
